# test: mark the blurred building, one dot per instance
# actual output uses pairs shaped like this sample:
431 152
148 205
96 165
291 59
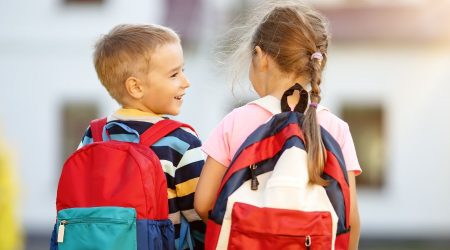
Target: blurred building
387 76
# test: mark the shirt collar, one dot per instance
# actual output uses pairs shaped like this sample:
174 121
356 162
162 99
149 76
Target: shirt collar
126 114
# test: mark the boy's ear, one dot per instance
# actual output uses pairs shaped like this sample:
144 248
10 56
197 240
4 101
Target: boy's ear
134 87
260 59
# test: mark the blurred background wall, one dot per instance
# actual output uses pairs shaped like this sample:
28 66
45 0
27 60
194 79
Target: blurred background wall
388 76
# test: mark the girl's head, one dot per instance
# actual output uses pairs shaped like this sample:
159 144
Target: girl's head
294 38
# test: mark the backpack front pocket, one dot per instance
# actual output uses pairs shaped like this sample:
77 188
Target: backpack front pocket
272 228
108 228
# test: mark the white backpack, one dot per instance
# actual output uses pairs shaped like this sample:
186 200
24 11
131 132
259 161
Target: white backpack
265 200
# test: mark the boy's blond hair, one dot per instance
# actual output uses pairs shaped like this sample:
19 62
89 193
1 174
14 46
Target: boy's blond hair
125 51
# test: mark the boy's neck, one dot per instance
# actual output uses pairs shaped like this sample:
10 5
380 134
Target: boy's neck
136 111
130 103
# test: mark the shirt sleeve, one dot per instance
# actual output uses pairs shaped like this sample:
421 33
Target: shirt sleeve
348 150
340 131
217 146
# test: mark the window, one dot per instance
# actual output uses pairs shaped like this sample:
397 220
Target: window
75 120
184 16
367 128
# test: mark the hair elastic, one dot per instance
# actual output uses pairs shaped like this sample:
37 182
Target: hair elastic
313 104
317 55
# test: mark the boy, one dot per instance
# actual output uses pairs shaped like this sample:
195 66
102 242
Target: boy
141 66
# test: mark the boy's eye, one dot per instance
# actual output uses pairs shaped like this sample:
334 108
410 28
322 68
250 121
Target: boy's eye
176 73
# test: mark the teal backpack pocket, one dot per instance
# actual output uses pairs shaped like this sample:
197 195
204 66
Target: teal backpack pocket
112 228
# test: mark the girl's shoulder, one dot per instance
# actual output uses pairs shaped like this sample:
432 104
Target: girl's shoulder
337 127
248 113
263 108
255 113
269 105
327 118
233 130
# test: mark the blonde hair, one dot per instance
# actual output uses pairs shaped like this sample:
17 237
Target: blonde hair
290 32
125 51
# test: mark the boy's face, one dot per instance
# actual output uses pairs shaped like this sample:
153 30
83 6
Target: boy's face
165 84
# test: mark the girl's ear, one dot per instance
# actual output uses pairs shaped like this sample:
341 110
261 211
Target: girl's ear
134 87
260 59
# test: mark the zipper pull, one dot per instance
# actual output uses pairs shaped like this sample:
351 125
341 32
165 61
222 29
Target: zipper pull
308 242
254 182
61 231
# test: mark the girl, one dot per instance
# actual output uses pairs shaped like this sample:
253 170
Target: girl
287 45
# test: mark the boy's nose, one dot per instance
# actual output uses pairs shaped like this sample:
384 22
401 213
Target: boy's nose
186 83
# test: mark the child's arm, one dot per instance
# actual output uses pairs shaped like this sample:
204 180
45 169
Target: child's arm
354 213
207 187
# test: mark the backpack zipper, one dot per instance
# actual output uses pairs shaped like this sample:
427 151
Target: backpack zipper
63 223
254 182
61 231
308 242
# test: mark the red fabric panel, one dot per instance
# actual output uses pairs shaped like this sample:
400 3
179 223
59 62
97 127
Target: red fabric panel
154 181
333 169
262 150
271 228
212 235
342 241
97 129
159 130
114 174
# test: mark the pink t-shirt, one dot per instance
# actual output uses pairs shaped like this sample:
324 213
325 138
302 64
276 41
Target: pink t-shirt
232 131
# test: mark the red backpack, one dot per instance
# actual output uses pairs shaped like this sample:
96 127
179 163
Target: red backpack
113 194
265 200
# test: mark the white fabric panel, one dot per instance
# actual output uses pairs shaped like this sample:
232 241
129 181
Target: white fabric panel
286 187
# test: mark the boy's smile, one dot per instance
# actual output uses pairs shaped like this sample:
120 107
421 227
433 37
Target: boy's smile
180 98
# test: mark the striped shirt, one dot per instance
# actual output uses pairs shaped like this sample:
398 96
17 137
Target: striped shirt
181 159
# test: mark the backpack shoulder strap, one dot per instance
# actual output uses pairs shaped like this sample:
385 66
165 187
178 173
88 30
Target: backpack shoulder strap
97 129
161 129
